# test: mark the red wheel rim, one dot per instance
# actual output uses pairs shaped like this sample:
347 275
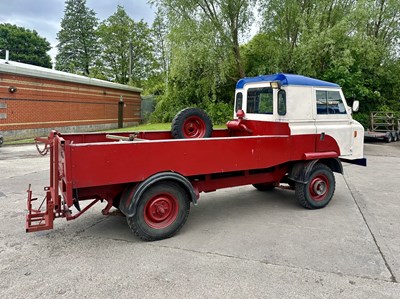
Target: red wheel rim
161 210
194 127
319 187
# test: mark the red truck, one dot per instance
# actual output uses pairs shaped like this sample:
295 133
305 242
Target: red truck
287 129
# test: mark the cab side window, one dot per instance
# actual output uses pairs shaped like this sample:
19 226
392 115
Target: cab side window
260 100
282 102
329 102
239 101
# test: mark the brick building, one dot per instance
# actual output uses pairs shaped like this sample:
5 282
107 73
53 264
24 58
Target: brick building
35 100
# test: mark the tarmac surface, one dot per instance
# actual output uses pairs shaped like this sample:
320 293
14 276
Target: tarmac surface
237 242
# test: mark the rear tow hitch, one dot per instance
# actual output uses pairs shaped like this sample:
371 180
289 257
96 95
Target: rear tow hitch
38 219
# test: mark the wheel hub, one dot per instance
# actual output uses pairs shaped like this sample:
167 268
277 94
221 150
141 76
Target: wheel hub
319 187
194 128
160 211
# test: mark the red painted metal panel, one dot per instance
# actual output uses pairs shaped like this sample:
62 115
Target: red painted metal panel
246 178
327 143
300 144
268 127
263 128
123 162
315 156
93 160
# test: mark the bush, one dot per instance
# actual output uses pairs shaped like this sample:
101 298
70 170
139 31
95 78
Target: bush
169 105
165 110
219 112
362 118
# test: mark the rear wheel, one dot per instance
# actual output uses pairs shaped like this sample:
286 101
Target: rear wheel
318 191
162 211
191 123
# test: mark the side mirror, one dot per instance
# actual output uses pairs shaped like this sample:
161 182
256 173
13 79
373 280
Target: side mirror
356 106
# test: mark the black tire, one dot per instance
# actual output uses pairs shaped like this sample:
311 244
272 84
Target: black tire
264 186
388 138
148 223
319 190
191 123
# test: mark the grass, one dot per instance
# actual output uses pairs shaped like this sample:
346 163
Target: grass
22 141
145 127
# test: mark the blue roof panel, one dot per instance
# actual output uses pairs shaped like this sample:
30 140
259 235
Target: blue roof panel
286 79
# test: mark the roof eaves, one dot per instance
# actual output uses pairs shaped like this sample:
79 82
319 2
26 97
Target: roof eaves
12 67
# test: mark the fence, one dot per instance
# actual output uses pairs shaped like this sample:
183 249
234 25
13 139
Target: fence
147 107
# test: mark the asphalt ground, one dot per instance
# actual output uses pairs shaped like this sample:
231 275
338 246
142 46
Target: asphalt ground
237 243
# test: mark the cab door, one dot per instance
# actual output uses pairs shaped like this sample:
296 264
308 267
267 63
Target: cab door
333 121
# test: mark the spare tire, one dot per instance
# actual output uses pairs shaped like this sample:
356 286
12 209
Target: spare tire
191 123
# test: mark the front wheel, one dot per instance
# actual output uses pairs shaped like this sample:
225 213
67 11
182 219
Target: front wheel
162 211
318 191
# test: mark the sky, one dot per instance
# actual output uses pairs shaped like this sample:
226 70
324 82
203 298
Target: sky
45 16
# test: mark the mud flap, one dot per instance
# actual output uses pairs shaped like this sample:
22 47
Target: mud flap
300 171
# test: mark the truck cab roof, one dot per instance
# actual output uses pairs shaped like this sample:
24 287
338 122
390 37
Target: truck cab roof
286 79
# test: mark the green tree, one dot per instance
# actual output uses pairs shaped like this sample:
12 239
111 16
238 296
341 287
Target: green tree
263 55
25 45
380 19
353 43
160 33
229 19
157 83
199 75
205 55
293 23
126 47
162 50
77 47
